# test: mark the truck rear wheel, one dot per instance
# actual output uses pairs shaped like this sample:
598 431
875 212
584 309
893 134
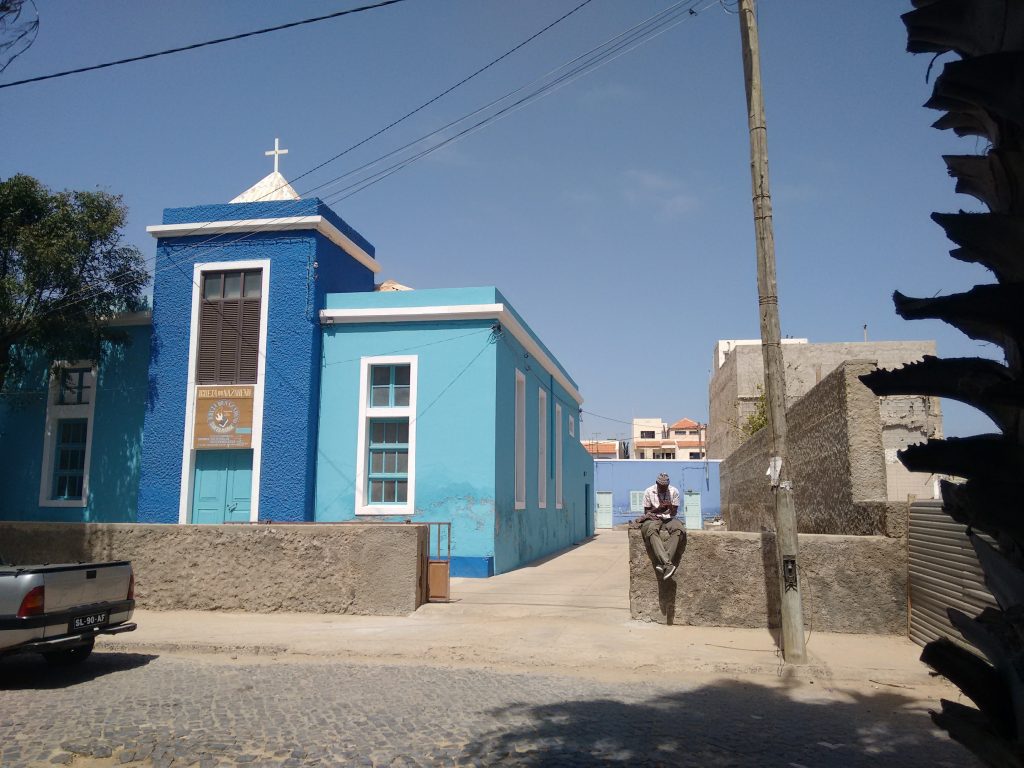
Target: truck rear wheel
70 656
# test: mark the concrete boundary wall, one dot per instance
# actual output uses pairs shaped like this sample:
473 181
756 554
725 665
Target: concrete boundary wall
836 463
853 584
353 569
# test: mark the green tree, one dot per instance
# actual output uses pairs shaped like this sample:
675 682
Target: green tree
758 420
63 270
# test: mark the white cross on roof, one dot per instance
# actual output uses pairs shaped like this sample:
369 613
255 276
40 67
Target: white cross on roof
276 152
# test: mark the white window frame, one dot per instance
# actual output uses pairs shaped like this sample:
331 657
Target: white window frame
558 456
542 448
56 413
368 412
636 501
188 454
520 440
572 426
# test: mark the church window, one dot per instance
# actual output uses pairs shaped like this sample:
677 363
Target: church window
542 448
74 386
520 440
558 456
389 461
70 404
387 436
229 327
69 462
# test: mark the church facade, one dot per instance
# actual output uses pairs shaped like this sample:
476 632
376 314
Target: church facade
274 382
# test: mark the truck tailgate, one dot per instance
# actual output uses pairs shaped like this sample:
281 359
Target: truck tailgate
85 584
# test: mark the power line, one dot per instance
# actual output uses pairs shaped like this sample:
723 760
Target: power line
26 33
445 92
495 334
597 56
392 124
477 332
269 367
194 46
630 39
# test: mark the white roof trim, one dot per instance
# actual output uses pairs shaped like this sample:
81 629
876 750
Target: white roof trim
457 312
279 224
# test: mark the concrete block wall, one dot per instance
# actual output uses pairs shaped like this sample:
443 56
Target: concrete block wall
836 463
853 584
343 569
733 390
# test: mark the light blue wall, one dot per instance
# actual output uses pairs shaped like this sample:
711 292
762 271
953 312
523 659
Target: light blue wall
454 423
465 431
116 439
291 394
622 476
524 535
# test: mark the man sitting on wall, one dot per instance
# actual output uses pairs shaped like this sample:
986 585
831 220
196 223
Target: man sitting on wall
661 503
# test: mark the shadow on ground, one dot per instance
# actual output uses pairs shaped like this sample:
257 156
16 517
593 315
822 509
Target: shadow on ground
725 724
29 671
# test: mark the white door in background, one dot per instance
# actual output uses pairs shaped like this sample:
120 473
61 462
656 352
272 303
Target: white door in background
604 509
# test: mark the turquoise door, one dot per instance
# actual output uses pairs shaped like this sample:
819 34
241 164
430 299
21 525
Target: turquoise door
223 487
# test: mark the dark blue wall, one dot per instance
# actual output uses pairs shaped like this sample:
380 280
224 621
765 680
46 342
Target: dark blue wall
291 393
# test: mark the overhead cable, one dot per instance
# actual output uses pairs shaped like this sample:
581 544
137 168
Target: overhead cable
193 46
597 56
387 127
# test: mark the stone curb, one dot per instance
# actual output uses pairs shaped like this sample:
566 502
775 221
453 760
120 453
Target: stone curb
813 673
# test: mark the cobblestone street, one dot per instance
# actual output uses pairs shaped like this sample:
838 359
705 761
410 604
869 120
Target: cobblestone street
169 710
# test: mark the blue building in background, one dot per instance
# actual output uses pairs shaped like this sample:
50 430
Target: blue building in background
274 383
620 484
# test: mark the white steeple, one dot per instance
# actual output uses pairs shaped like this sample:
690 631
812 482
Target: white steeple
273 186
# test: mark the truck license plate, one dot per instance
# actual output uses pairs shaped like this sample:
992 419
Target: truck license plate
92 620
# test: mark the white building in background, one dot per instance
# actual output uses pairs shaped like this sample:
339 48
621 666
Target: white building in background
654 439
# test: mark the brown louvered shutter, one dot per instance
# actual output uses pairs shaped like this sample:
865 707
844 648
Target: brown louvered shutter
227 359
229 336
250 342
209 342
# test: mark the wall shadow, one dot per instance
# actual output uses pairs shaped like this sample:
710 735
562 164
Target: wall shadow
729 723
772 598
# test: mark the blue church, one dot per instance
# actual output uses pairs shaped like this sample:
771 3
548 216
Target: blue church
275 381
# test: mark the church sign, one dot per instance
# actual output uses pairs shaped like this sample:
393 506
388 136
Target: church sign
223 417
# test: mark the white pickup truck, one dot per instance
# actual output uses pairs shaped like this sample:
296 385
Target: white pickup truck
58 610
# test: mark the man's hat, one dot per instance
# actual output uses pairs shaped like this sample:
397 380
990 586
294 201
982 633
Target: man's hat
662 479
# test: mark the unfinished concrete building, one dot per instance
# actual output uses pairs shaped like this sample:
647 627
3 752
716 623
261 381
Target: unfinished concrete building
736 387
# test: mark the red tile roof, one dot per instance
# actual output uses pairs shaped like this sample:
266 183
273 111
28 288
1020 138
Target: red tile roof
669 443
685 424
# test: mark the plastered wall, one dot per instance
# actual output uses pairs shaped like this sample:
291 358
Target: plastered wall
344 569
853 584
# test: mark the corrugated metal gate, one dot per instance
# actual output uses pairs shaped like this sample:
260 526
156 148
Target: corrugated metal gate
944 573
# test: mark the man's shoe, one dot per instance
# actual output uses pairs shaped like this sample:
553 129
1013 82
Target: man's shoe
659 569
667 571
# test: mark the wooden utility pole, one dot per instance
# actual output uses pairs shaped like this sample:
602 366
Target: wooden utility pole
771 347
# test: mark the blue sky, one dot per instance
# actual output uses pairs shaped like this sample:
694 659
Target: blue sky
614 213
